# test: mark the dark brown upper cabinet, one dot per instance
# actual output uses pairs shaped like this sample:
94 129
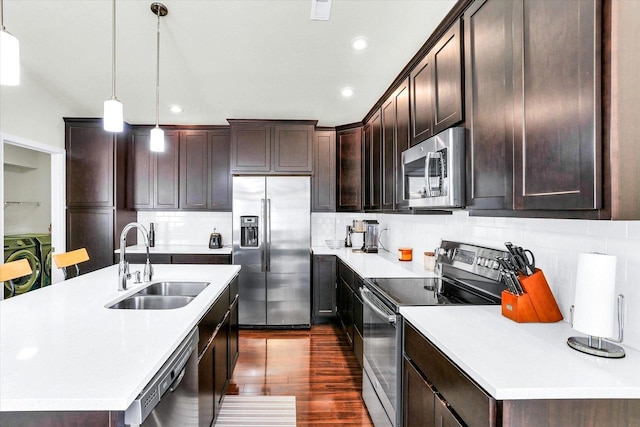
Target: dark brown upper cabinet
372 162
323 182
556 68
533 105
395 139
436 87
205 180
272 147
489 100
155 175
349 169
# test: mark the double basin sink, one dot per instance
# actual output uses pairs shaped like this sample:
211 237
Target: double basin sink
162 296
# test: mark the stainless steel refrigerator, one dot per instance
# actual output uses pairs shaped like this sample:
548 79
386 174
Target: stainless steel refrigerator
272 243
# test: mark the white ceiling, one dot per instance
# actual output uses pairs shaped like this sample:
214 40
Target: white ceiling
220 58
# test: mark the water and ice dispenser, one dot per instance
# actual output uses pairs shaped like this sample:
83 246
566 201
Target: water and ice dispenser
249 231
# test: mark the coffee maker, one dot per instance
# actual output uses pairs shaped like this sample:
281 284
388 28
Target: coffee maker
370 245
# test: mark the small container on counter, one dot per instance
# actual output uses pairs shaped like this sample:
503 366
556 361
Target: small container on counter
429 261
405 254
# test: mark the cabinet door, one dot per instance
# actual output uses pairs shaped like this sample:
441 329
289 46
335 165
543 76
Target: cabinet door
234 337
557 149
447 75
194 171
142 169
349 170
324 287
206 378
444 416
250 148
220 179
372 162
166 178
221 364
92 229
422 100
388 111
89 165
323 182
200 259
489 112
155 175
293 148
403 137
418 399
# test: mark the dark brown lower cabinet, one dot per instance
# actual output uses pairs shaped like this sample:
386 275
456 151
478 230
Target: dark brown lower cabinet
418 399
324 288
350 308
435 391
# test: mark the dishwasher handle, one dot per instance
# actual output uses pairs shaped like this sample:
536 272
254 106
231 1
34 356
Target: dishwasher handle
374 304
174 385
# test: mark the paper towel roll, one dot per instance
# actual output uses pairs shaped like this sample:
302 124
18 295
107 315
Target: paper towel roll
594 304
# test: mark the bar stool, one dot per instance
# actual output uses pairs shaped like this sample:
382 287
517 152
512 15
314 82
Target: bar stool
13 270
70 258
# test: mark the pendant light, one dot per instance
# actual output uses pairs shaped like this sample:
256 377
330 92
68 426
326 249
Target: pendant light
113 114
157 134
9 55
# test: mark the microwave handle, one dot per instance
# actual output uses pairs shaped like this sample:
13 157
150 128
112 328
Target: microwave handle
432 187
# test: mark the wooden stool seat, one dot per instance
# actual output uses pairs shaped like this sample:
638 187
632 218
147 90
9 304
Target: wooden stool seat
13 270
70 258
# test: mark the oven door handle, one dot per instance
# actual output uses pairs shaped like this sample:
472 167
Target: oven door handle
389 317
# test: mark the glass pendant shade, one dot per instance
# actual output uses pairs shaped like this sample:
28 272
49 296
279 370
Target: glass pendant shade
9 59
113 115
157 140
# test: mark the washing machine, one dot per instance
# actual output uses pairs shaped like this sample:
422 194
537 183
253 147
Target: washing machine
45 254
15 248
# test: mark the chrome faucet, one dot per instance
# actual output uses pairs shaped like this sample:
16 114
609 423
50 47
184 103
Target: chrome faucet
123 266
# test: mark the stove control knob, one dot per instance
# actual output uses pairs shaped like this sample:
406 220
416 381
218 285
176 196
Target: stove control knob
495 265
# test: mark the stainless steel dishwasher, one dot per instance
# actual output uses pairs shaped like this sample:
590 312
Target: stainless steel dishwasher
171 397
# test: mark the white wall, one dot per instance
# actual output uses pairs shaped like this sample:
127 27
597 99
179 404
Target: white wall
27 178
556 244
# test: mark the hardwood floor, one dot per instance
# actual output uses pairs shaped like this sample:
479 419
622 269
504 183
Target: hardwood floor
317 366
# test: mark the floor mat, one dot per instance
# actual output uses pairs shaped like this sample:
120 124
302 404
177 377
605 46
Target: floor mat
263 411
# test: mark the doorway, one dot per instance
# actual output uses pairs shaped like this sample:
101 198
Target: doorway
39 171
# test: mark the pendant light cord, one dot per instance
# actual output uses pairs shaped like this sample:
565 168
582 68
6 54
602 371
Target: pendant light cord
2 16
113 51
158 73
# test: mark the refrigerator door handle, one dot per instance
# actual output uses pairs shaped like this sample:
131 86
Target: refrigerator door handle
263 243
267 228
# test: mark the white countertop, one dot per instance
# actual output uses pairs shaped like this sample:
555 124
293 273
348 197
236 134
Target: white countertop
177 249
524 360
382 264
61 349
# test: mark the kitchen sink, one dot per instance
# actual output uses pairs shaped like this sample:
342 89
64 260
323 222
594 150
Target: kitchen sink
152 302
162 296
190 289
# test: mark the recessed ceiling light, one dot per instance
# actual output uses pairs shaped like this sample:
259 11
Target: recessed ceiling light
347 92
360 43
175 109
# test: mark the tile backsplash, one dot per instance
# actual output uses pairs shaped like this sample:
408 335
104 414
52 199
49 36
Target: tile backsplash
556 244
187 228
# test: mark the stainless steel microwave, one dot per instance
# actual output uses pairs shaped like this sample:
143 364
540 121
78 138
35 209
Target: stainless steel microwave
434 171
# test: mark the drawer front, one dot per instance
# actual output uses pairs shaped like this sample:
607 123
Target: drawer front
466 398
345 273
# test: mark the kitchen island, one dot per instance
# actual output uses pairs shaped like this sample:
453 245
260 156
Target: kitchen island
62 349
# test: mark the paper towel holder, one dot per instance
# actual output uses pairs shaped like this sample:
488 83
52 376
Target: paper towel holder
597 346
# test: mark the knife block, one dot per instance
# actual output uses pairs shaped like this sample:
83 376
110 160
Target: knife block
537 304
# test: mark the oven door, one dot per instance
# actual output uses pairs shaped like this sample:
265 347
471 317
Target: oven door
382 340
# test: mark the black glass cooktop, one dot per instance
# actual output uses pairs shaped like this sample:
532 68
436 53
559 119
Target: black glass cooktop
426 291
